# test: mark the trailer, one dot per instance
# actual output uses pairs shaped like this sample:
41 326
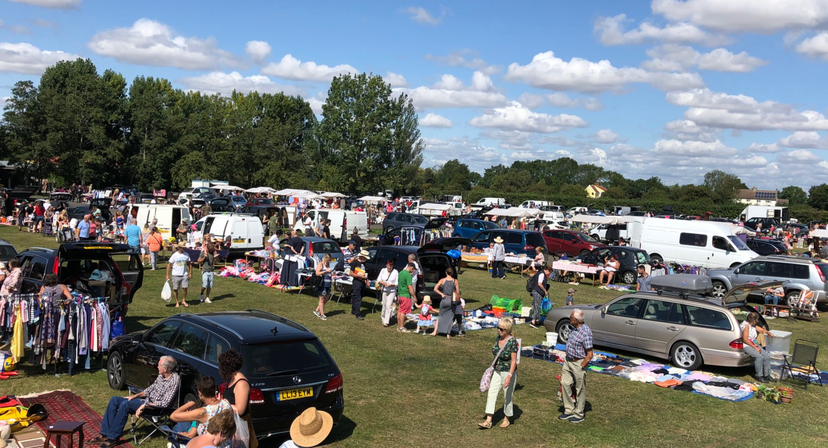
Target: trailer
780 214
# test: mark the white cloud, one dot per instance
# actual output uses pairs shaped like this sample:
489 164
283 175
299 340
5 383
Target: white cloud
420 15
43 23
226 83
451 92
52 4
688 130
27 59
435 121
706 98
611 32
464 58
764 16
519 118
563 100
152 43
19 29
470 151
317 101
580 75
257 50
678 148
802 156
605 136
763 148
511 140
294 69
671 57
802 139
531 100
816 46
395 79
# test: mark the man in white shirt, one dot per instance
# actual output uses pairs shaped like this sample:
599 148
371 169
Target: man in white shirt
387 279
178 263
415 275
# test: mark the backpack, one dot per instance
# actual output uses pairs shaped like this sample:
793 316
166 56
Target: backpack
530 284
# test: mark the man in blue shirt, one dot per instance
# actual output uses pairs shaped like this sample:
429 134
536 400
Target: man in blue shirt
133 237
83 228
578 355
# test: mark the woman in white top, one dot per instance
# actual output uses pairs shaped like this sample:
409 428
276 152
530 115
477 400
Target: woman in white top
760 355
388 279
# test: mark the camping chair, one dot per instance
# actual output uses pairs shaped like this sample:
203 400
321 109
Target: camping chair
804 355
154 416
175 439
806 307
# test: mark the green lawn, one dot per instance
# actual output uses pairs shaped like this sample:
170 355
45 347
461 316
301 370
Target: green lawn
410 390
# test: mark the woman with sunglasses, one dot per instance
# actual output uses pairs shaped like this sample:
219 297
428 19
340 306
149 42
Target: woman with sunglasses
504 373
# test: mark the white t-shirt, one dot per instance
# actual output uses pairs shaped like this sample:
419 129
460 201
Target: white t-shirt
390 277
179 263
273 241
73 223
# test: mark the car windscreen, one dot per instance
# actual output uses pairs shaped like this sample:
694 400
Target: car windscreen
587 238
420 219
285 358
7 252
326 247
535 239
490 225
738 242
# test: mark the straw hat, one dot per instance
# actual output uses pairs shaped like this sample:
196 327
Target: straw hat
182 245
364 254
311 427
498 240
426 299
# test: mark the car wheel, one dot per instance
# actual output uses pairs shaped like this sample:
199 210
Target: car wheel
584 253
734 265
115 371
719 289
388 229
792 298
656 259
629 277
563 329
686 356
595 236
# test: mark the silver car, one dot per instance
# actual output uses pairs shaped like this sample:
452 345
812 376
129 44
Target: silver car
796 274
689 330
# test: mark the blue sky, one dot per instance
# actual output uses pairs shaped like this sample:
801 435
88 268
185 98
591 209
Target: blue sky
668 88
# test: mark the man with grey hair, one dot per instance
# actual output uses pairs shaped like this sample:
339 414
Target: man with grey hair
161 393
578 355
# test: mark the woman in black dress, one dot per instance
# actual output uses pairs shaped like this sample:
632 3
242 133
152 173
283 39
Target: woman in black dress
238 388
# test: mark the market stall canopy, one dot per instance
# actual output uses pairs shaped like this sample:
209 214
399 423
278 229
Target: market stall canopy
305 194
371 199
260 190
590 219
514 212
432 206
227 188
819 233
293 192
331 194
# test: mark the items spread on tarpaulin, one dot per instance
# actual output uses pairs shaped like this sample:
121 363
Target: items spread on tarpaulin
730 389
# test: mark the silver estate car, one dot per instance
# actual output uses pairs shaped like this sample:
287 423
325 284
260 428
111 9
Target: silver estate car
797 274
687 328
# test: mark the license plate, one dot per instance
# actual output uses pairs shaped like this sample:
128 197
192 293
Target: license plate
293 394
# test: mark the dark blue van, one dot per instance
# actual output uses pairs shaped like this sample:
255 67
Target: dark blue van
515 241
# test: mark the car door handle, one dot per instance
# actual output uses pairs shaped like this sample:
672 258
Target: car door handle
630 322
672 328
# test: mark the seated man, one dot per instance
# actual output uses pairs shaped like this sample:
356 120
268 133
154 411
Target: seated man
161 393
774 295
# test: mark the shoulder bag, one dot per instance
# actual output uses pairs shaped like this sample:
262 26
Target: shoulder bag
487 375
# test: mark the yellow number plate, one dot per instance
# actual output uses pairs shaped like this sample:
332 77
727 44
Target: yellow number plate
293 394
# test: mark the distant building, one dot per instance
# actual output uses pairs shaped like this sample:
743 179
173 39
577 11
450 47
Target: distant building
595 191
754 196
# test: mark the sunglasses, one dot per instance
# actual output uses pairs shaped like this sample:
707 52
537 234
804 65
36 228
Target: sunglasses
501 329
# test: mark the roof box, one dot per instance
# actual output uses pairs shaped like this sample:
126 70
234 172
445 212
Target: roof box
689 283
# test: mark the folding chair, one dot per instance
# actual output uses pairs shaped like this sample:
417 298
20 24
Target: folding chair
804 356
154 416
175 439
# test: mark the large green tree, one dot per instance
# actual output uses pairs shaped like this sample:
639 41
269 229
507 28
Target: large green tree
795 195
24 142
370 138
818 196
723 185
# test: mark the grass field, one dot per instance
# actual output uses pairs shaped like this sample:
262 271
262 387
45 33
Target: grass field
410 390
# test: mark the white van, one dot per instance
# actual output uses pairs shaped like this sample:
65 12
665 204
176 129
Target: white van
168 216
342 225
698 243
534 204
600 232
244 232
490 202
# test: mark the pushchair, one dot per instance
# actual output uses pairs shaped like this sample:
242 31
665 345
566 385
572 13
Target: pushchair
47 228
65 235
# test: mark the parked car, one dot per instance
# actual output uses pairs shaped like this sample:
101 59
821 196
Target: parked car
74 262
316 248
514 241
237 201
765 247
7 251
220 204
395 220
675 324
767 223
260 201
796 273
468 228
570 242
288 366
629 257
431 257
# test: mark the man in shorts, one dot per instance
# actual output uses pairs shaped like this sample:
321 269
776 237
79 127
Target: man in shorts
178 263
207 262
405 293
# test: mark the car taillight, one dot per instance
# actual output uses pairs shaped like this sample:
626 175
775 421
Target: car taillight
821 273
310 249
334 384
56 266
125 288
256 396
345 224
738 344
528 248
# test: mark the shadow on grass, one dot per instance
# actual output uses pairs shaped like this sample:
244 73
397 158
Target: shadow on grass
499 415
342 431
587 408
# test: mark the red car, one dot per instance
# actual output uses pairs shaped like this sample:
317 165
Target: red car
259 201
569 242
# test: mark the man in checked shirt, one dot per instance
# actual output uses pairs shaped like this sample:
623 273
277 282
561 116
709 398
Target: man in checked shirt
161 393
578 355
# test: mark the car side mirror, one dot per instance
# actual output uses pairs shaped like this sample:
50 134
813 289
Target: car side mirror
604 310
736 271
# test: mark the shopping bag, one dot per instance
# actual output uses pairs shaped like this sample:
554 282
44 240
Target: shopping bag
242 437
486 380
166 291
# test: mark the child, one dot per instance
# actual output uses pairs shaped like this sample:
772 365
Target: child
425 319
569 299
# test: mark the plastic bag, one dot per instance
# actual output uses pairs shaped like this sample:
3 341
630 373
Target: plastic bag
242 437
166 291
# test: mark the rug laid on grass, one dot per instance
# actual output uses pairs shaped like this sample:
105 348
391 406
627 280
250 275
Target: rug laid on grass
64 405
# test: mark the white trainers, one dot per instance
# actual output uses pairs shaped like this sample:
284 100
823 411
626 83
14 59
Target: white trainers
207 300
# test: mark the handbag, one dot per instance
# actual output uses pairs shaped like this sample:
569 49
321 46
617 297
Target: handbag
487 375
